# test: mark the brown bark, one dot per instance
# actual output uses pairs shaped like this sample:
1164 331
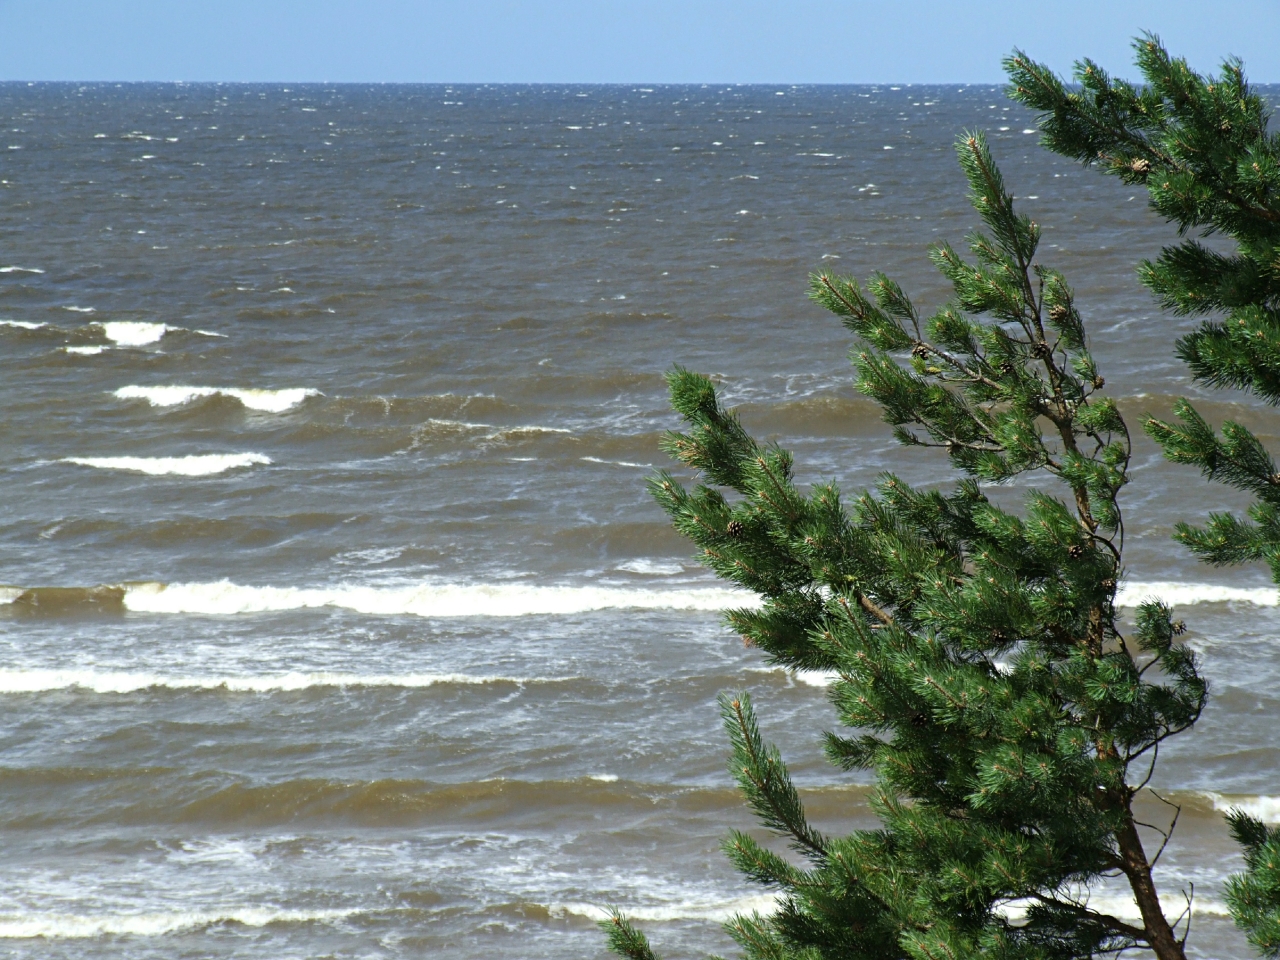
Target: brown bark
1159 934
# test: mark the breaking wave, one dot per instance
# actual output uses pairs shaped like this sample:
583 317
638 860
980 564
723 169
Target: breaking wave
198 465
62 926
692 909
107 681
269 401
424 600
1178 594
139 333
1263 808
134 333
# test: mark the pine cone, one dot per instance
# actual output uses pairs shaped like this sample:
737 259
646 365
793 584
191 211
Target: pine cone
734 529
1075 551
1179 627
1059 312
919 351
1041 350
1108 583
1006 367
1141 166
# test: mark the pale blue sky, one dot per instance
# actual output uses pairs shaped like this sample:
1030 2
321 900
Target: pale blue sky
594 41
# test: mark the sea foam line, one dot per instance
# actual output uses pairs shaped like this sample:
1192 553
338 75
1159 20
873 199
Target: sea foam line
1179 594
106 681
21 324
424 600
718 911
269 401
77 926
196 465
1263 808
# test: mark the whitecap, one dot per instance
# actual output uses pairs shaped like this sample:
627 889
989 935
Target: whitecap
1262 807
648 565
816 678
1120 903
22 324
617 463
134 333
197 465
1178 594
90 351
13 269
79 926
692 909
425 600
269 401
119 681
81 309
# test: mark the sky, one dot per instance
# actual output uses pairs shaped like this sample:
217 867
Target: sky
610 41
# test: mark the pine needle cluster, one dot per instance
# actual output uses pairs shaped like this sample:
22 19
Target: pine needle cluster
981 670
1202 148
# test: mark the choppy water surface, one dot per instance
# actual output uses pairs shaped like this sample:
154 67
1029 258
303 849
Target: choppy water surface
339 621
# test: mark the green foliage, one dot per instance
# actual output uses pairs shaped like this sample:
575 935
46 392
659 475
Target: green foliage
624 939
981 673
1202 148
1254 896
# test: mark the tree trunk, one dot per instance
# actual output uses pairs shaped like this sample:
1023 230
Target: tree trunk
1159 934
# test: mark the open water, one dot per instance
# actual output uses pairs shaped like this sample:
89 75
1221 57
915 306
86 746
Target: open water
340 624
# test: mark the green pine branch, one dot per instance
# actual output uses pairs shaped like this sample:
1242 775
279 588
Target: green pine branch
1202 147
981 672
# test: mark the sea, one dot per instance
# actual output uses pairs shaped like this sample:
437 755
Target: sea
337 621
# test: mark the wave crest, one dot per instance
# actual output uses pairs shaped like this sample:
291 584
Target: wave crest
63 926
423 600
196 465
268 401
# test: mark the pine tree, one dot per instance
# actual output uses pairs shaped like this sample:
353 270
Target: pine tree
981 670
1201 147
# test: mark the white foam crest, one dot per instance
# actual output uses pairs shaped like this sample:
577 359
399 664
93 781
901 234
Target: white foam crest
134 333
1179 594
107 681
652 566
1263 808
616 463
196 465
10 594
1120 903
91 351
268 401
81 309
817 678
718 911
424 600
22 324
12 269
68 926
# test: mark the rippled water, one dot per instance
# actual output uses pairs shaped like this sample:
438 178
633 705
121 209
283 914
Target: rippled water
339 622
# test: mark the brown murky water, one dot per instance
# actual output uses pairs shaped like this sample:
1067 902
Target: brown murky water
340 624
